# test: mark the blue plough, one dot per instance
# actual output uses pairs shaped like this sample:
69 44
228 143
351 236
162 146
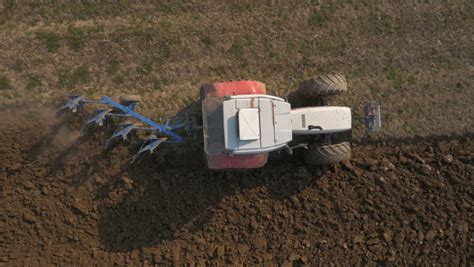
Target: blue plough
159 133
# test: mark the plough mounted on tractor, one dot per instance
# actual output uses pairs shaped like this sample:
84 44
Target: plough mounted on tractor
239 123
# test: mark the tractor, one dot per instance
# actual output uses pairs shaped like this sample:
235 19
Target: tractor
238 123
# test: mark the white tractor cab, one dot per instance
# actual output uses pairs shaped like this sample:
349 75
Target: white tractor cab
256 124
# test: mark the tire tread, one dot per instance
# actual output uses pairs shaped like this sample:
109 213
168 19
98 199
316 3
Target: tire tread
328 154
323 85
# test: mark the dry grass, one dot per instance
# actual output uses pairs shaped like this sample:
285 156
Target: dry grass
416 58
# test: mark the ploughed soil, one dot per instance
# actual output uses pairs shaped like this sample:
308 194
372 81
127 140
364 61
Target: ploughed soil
64 201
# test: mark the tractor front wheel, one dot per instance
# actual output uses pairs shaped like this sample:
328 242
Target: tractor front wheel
327 154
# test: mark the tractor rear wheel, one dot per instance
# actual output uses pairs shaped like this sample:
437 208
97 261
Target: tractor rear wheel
323 85
327 154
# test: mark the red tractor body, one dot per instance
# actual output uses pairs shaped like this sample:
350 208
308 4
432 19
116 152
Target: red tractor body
212 96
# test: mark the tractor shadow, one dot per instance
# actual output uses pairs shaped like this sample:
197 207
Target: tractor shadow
176 195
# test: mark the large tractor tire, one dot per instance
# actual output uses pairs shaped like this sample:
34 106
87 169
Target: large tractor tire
323 85
327 154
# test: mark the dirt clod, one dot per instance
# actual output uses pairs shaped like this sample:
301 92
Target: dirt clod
80 208
259 243
430 235
388 235
27 217
28 185
448 158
